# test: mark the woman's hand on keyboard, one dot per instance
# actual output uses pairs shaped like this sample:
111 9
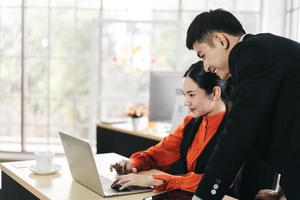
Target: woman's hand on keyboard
132 179
123 167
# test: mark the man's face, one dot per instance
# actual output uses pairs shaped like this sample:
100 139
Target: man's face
215 58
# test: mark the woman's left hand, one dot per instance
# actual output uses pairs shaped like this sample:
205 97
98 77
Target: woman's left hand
136 180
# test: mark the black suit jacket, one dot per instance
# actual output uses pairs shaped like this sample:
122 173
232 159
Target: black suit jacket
265 113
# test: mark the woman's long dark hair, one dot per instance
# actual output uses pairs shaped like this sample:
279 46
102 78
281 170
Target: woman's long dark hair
206 80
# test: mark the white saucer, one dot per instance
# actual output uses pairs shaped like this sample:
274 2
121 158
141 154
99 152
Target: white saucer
54 169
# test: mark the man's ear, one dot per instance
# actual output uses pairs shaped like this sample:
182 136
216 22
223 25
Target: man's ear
221 40
216 93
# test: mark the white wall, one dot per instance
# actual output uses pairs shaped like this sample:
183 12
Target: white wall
274 16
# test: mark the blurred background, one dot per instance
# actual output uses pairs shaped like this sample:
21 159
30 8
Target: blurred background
67 64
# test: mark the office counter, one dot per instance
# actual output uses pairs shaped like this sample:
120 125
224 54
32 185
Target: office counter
152 132
121 139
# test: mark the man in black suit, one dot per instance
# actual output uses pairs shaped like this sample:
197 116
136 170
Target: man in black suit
265 113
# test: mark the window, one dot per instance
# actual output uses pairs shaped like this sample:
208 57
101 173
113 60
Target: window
64 64
293 20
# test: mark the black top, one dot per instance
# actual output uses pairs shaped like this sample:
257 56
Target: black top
265 114
189 134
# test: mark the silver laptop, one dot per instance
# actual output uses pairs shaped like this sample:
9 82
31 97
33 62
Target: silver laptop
84 169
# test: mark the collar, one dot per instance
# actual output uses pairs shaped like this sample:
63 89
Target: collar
240 40
214 119
242 37
228 77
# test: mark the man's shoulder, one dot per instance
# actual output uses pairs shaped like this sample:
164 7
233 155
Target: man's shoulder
263 44
251 46
267 40
254 45
255 40
260 36
252 51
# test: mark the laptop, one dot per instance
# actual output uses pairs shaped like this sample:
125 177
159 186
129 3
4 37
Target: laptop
85 171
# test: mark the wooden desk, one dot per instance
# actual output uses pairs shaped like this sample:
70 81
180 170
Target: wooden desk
19 183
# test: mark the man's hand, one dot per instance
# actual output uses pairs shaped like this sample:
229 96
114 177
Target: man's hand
269 195
123 167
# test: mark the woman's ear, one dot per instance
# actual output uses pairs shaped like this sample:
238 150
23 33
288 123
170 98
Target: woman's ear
216 93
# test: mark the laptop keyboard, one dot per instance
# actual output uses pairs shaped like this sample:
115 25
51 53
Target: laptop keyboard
105 181
117 188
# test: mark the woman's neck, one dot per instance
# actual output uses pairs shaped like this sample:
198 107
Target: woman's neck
218 108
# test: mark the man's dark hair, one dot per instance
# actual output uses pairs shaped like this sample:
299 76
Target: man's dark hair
206 23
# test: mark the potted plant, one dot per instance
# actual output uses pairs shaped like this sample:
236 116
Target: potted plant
136 112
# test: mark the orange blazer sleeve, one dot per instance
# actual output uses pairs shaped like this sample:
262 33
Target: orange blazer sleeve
188 182
162 155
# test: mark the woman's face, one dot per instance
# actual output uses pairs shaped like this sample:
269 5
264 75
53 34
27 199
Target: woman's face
196 99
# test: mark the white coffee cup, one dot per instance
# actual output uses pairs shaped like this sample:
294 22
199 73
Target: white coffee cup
44 160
